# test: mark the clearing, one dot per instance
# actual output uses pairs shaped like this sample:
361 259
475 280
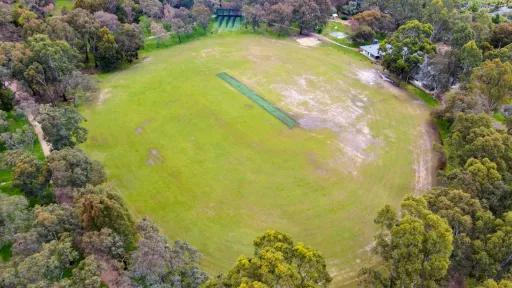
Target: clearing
211 167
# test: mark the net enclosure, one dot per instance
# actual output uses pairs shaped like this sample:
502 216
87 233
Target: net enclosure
228 19
260 101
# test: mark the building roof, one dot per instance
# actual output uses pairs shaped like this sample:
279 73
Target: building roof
373 49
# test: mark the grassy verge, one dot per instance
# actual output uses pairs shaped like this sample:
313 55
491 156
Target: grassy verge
428 99
333 26
17 122
6 252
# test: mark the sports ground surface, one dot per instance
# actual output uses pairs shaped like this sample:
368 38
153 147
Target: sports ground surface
211 167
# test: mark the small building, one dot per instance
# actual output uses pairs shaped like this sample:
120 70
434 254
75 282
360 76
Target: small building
371 51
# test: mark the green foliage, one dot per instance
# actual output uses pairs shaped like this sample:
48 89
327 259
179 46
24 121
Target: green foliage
107 54
49 62
72 168
406 48
100 207
6 99
29 173
85 275
415 248
470 56
277 261
61 126
156 264
48 265
493 79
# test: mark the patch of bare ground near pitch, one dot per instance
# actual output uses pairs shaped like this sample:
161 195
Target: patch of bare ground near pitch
316 108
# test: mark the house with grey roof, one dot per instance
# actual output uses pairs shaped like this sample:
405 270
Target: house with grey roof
372 51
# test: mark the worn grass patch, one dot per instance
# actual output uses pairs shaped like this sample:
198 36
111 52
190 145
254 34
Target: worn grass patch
211 167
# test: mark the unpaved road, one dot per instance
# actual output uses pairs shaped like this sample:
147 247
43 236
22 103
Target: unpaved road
28 106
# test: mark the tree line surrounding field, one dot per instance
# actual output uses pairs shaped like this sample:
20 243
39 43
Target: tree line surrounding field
63 226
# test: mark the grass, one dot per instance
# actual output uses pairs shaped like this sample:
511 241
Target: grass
60 4
17 122
210 167
422 95
333 26
6 252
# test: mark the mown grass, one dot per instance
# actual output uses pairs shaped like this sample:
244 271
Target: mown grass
210 167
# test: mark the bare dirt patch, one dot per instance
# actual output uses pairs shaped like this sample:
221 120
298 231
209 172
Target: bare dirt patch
338 35
368 76
308 41
103 95
315 108
140 129
425 159
154 157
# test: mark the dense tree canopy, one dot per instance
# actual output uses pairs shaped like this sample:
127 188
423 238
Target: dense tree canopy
277 262
406 48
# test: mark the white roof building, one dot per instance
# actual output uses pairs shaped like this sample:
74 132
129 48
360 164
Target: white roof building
371 51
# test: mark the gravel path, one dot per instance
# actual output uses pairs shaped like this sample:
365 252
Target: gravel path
27 104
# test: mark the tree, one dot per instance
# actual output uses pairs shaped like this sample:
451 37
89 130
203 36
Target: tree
307 14
6 99
181 22
70 167
23 138
439 13
107 54
48 265
99 207
29 174
504 54
15 217
470 56
129 40
49 62
415 249
156 264
277 262
502 35
201 14
85 275
401 10
86 27
254 15
462 211
58 29
103 243
90 5
462 33
108 20
492 284
378 21
152 8
493 79
461 102
363 33
5 13
279 16
61 126
406 49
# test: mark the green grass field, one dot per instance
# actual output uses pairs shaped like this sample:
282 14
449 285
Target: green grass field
60 4
211 167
